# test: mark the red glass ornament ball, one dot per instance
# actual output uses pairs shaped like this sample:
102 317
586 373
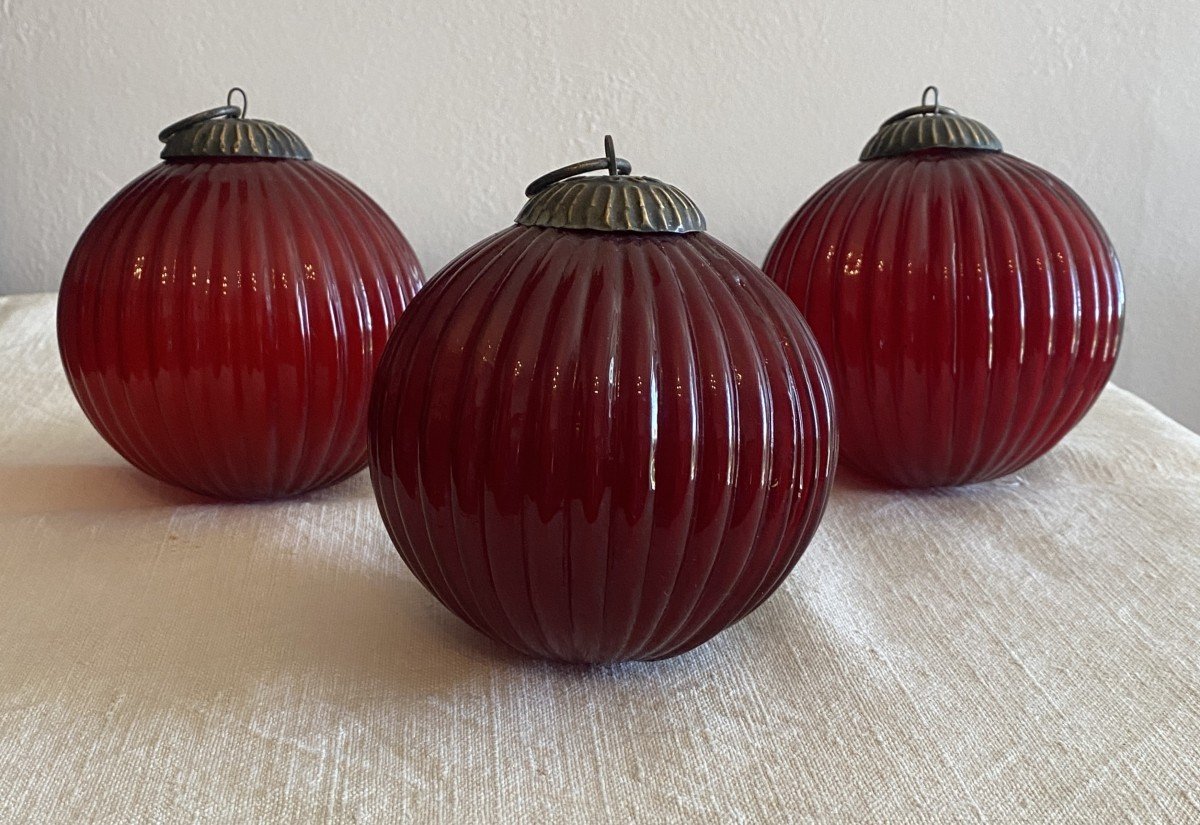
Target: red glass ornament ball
968 303
597 446
221 318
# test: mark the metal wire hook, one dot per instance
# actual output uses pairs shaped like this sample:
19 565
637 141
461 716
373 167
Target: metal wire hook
925 96
245 103
610 162
926 108
610 154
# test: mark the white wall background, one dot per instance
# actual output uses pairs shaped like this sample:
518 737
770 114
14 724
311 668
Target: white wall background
443 111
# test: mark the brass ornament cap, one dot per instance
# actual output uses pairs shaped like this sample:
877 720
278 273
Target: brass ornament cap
616 202
226 132
929 126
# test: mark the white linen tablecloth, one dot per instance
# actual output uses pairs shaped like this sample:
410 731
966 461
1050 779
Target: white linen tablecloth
1026 649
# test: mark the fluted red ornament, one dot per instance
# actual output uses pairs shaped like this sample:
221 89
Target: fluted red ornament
221 317
968 303
601 434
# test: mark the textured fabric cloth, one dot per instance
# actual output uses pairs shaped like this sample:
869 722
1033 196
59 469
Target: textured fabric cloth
1026 649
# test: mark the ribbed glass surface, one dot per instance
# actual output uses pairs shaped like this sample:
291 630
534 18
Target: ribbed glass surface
969 306
601 446
220 322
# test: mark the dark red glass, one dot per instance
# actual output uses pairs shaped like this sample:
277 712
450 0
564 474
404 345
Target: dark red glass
220 322
600 446
969 306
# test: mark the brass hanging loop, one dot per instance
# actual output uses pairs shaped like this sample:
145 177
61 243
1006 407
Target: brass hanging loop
610 162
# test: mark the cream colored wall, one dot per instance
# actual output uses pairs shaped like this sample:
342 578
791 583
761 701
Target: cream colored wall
444 110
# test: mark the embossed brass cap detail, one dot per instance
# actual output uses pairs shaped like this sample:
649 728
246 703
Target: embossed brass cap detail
929 126
226 132
616 202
